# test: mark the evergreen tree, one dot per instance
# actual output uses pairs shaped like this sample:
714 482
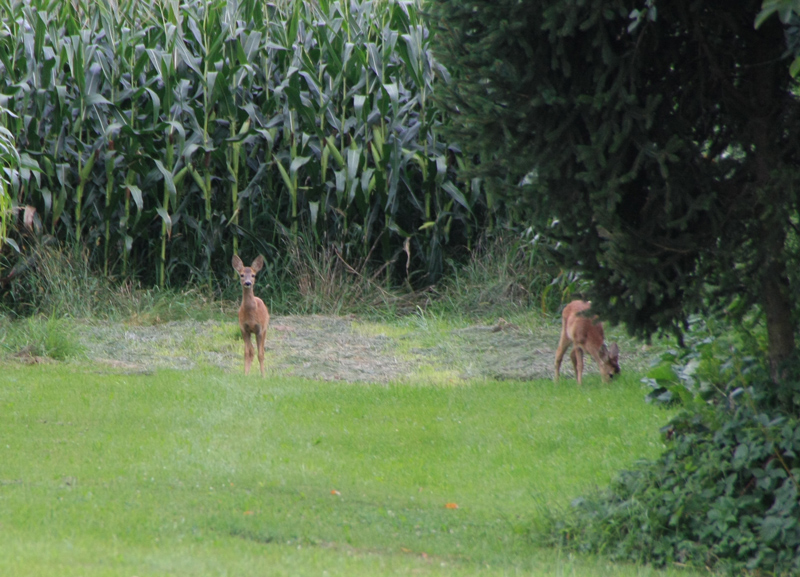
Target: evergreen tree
658 141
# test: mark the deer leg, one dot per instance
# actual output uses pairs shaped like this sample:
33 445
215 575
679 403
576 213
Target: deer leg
260 338
563 345
577 363
598 358
248 351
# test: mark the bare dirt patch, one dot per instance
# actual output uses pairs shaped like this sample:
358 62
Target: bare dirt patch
338 348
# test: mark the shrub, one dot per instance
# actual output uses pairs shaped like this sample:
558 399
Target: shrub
725 492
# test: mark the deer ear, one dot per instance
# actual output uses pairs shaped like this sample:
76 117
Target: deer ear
258 264
613 351
237 263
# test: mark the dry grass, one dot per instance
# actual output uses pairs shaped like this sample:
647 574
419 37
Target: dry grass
348 348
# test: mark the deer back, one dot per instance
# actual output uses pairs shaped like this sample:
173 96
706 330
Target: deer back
586 333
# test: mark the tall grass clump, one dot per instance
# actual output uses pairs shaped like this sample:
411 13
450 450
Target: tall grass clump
507 272
37 337
55 281
308 278
327 283
162 137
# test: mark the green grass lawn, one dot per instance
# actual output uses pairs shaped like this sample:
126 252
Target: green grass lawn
204 472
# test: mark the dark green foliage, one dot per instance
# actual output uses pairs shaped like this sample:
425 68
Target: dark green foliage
705 368
725 493
725 498
660 144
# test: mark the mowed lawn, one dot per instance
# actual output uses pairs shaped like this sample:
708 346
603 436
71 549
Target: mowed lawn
204 472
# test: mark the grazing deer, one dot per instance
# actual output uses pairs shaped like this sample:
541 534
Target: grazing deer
587 336
253 314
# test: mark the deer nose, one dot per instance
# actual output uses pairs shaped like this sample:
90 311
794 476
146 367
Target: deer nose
248 283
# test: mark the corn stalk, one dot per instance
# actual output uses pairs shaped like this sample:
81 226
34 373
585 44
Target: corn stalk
305 116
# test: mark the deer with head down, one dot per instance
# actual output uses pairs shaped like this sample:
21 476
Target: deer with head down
253 313
586 334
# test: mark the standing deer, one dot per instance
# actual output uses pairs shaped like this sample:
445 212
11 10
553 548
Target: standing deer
587 336
253 314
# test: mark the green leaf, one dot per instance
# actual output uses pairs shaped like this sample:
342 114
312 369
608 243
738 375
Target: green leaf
794 68
297 163
136 194
165 217
313 208
287 180
353 159
96 98
456 194
663 372
211 81
186 56
393 92
168 177
197 178
329 142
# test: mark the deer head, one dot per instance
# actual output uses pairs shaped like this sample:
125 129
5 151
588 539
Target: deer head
247 274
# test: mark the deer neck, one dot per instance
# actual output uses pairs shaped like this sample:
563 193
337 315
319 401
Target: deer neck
248 300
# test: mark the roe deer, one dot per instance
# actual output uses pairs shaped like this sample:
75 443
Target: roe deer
587 336
253 314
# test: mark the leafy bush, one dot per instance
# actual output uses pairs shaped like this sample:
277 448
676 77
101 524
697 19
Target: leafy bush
725 492
705 368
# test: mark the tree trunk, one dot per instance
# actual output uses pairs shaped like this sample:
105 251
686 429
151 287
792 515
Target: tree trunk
778 309
765 125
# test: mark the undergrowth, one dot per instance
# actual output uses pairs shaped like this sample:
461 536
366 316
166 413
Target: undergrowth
504 275
58 282
322 281
725 492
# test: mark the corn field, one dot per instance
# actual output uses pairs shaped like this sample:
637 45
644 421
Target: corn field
165 135
9 164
